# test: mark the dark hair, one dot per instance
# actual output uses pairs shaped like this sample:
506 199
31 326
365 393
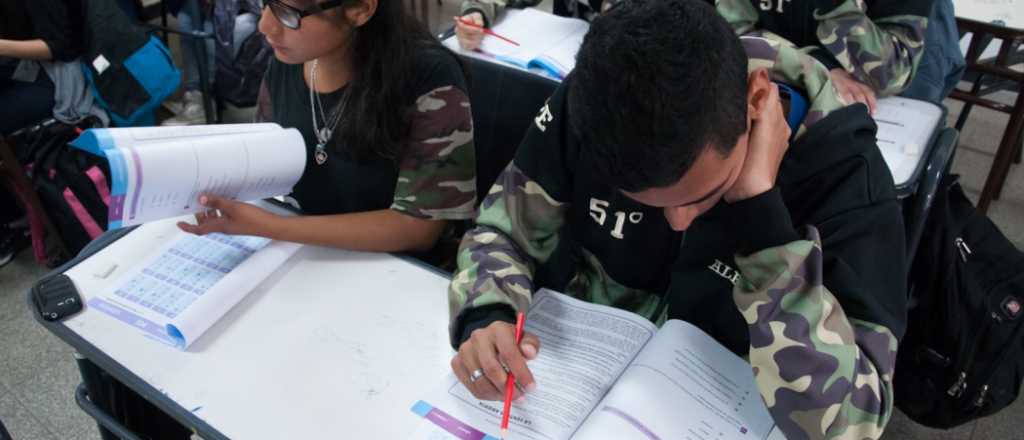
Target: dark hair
378 113
656 83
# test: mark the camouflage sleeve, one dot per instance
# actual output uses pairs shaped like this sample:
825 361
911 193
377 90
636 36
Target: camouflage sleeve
488 8
821 374
491 8
787 64
437 175
740 14
517 228
883 52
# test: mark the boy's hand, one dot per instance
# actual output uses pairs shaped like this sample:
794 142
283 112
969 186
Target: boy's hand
487 352
769 140
852 90
469 37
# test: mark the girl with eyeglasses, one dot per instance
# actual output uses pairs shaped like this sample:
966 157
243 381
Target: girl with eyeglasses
384 111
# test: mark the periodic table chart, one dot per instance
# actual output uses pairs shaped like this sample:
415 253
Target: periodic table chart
187 270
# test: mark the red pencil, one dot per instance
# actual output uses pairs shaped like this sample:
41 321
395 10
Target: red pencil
510 383
485 30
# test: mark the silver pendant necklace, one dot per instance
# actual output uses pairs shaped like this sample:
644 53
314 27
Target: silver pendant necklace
323 134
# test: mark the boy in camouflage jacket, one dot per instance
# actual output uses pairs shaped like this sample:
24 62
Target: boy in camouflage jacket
663 172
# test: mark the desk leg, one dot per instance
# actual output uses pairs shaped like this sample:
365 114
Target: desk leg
974 51
1004 156
128 409
1020 147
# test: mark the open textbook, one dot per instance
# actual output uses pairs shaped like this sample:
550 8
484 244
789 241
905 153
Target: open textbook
159 172
547 43
604 373
180 289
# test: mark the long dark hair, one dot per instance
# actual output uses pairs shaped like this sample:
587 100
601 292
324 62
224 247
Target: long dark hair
376 122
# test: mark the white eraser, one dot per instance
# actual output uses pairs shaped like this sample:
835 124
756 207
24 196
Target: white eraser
911 148
105 272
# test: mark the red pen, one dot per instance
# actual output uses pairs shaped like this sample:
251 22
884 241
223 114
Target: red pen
485 30
510 383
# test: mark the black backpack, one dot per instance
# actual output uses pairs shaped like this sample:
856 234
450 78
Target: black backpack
129 71
72 185
238 76
963 354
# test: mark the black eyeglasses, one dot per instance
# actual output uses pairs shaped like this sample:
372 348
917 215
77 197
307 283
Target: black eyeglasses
291 17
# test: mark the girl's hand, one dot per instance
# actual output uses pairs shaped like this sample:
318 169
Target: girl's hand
230 217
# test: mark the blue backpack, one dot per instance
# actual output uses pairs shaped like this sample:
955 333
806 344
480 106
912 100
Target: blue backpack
130 72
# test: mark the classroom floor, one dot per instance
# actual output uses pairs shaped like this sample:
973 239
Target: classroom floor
38 374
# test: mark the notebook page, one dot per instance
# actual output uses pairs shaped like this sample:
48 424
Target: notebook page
535 31
561 59
905 128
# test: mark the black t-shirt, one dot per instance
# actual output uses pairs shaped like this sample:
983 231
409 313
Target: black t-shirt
56 22
344 184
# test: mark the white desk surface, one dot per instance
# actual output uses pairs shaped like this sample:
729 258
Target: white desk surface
903 121
1009 13
334 344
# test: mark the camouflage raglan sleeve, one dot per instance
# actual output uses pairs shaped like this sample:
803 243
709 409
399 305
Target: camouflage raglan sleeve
789 65
491 8
824 307
437 175
822 374
517 227
881 50
740 14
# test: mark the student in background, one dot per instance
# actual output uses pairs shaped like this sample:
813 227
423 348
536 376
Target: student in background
942 64
383 109
40 42
194 16
684 174
871 47
485 12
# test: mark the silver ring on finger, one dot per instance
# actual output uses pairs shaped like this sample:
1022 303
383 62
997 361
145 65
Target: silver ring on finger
476 375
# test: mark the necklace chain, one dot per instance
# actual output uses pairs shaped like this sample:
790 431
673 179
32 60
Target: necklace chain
323 134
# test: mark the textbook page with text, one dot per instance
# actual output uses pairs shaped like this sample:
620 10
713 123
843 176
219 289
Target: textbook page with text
182 287
160 172
607 373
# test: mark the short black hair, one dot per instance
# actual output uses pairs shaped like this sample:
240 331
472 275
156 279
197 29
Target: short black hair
656 83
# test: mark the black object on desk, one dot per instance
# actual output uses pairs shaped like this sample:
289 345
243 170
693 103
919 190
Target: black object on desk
56 298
